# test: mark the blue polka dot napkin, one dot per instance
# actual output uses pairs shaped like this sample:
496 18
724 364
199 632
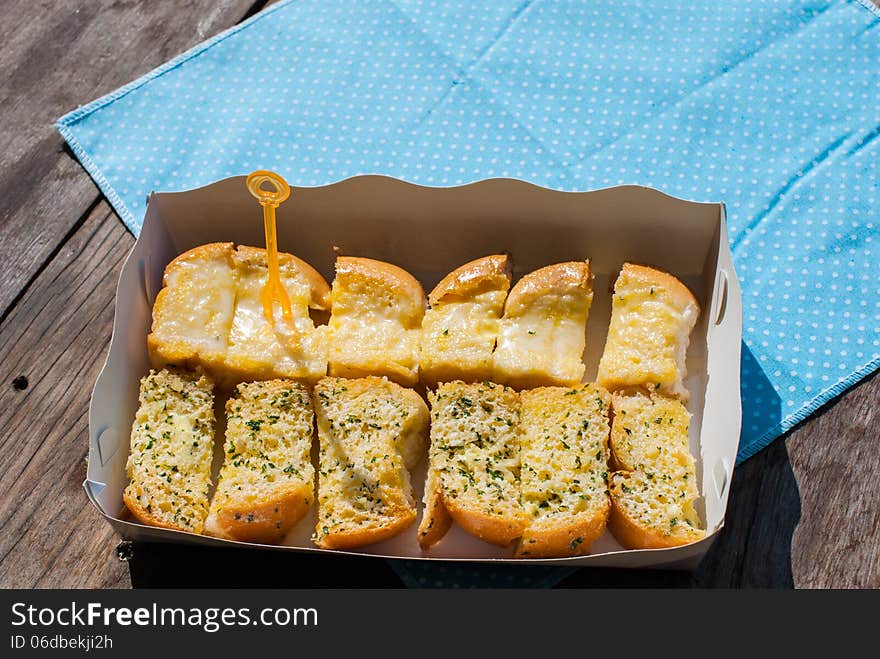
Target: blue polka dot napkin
770 106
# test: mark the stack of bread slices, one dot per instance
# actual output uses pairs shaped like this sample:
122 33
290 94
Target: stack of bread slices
520 451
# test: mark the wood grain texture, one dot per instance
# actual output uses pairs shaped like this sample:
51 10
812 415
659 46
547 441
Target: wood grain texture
836 460
56 337
54 55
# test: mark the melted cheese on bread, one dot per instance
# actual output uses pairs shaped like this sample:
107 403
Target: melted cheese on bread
461 327
260 350
652 315
543 331
193 312
374 329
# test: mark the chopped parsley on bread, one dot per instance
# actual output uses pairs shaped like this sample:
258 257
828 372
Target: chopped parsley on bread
564 473
172 446
371 432
543 330
652 315
267 481
377 311
654 488
475 462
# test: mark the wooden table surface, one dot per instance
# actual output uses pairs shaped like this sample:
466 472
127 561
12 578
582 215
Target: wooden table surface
805 512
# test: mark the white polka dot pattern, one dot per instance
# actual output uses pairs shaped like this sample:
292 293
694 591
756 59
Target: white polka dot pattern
770 106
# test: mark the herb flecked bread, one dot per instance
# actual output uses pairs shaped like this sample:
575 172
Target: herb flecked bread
172 445
655 487
652 315
474 466
543 330
461 326
267 481
377 311
564 473
371 432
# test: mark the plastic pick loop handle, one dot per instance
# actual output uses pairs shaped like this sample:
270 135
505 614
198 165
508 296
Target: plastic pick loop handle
273 291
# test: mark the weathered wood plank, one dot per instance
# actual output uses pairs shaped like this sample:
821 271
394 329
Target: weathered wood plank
57 337
55 55
836 460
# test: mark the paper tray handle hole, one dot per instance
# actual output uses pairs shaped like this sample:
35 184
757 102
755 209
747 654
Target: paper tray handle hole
105 442
720 475
144 272
721 297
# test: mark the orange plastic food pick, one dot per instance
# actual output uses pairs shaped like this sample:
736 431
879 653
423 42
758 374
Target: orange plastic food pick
273 291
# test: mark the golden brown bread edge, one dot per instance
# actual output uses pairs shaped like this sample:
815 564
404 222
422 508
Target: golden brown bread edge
486 273
354 539
398 279
266 522
631 535
320 289
559 277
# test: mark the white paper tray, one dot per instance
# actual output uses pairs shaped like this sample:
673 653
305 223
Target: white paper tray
430 231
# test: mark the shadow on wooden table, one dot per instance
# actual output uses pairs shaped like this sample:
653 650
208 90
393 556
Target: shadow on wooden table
752 551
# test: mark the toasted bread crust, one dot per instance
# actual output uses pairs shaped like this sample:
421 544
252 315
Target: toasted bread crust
320 289
436 520
393 372
680 294
573 539
389 275
141 515
403 517
558 278
493 529
489 272
199 253
267 522
633 535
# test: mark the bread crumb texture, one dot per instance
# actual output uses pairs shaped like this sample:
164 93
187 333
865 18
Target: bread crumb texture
475 449
655 486
266 484
564 435
371 431
172 439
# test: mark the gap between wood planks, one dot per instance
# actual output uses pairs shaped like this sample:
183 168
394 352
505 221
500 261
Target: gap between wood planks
55 329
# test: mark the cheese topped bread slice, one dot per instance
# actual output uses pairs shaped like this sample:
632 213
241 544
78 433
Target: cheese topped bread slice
372 432
172 446
461 326
260 350
193 312
564 474
374 329
543 330
654 489
475 463
652 315
267 481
